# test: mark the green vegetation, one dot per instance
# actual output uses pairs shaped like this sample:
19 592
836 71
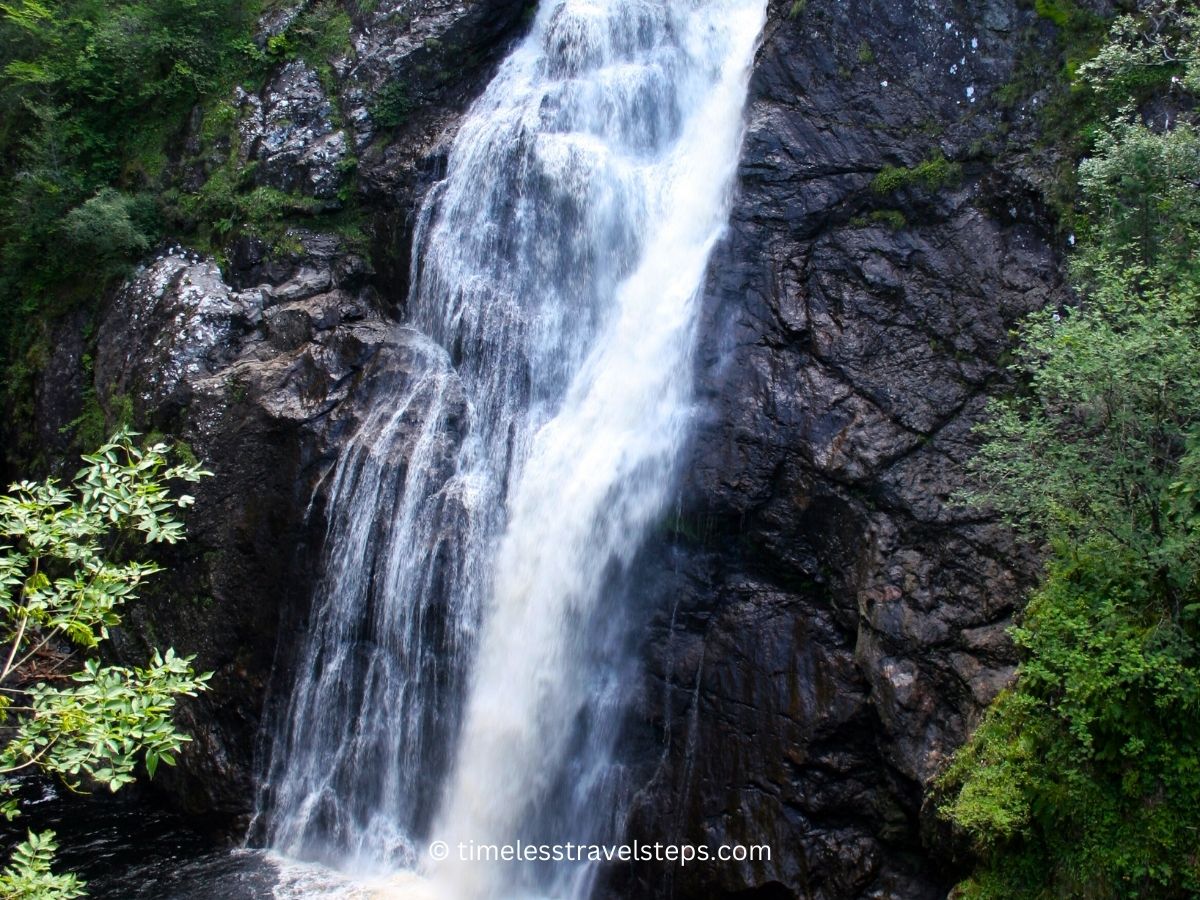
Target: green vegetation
391 106
1081 32
64 576
934 173
320 34
889 218
1067 15
90 94
29 875
229 203
1069 115
95 97
1083 780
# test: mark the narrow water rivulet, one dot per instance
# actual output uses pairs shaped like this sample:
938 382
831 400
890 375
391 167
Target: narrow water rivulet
462 678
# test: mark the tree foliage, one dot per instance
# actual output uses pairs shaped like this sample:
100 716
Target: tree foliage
1083 779
91 93
64 576
29 875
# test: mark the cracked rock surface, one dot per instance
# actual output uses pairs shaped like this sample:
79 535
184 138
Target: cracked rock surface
288 131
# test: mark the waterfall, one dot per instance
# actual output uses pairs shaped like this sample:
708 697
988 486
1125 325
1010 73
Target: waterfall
463 670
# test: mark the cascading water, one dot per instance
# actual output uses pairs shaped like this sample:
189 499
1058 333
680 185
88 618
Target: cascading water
462 675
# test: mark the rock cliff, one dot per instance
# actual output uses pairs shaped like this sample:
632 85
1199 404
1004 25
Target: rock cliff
263 366
828 624
824 625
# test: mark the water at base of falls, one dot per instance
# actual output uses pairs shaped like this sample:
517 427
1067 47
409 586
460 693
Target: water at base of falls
462 678
125 847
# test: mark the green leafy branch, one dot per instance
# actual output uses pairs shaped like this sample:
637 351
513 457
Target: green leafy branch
63 582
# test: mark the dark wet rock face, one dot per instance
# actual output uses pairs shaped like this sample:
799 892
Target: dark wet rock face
257 379
823 624
827 623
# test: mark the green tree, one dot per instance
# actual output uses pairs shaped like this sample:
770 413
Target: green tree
65 573
92 92
105 228
1083 779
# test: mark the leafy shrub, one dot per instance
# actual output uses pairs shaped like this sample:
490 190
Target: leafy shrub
933 174
391 106
1083 780
104 227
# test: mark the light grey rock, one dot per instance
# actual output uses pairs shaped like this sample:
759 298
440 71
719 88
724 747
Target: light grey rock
288 132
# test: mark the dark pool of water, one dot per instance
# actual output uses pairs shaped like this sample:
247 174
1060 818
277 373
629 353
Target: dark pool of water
128 849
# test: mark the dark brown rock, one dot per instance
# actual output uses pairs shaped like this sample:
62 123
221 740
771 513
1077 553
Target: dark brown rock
266 399
829 623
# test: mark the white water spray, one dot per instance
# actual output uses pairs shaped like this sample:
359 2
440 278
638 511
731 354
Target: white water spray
469 598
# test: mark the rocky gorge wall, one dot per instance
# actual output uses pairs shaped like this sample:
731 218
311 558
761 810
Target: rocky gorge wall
823 624
828 623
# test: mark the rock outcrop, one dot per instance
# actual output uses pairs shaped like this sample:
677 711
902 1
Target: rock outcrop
255 378
289 133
